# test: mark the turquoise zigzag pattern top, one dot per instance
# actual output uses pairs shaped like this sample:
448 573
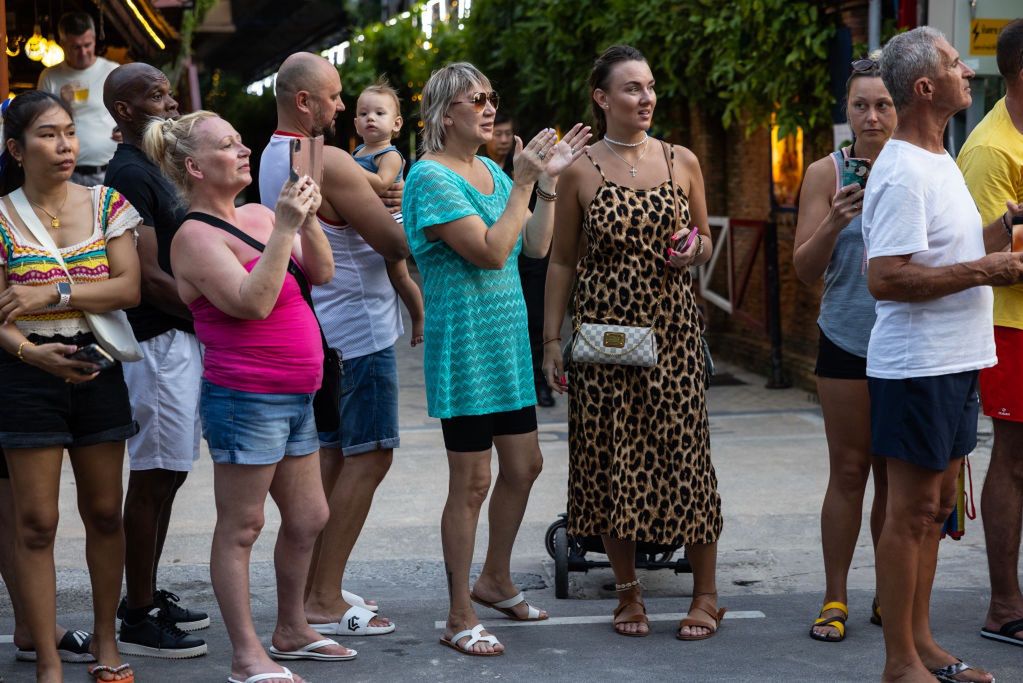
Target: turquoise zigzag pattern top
476 359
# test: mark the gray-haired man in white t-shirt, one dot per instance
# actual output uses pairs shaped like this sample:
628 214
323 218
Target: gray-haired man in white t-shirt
931 261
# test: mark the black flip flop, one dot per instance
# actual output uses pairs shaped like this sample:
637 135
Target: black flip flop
1005 633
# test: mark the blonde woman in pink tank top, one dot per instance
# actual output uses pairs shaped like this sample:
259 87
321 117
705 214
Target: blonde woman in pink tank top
263 363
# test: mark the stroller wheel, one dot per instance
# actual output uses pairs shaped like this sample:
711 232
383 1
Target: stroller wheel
559 523
561 562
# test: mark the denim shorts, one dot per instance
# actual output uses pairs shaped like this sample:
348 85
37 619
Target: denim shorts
246 428
369 405
42 410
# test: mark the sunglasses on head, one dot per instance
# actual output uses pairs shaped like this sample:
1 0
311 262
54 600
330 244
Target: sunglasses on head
479 100
861 66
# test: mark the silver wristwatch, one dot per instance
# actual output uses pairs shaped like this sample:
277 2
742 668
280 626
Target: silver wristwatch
64 291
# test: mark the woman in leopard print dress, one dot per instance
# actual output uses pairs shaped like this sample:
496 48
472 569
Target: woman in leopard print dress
639 466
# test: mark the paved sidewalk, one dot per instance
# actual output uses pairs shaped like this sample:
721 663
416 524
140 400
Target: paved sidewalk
770 455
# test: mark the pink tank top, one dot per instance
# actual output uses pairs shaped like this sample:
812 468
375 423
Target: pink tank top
282 354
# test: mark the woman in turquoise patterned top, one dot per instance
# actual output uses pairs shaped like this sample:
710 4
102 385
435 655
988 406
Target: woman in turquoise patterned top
466 223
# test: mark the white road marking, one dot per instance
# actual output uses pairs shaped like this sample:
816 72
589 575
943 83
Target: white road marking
602 619
6 639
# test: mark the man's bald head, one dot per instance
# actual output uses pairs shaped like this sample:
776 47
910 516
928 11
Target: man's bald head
302 71
308 92
135 93
126 82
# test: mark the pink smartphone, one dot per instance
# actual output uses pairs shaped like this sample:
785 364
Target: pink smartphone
693 232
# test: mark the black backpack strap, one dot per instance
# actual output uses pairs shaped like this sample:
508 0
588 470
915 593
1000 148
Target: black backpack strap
293 267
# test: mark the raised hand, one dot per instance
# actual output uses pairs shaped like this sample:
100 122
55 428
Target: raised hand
294 204
566 151
529 160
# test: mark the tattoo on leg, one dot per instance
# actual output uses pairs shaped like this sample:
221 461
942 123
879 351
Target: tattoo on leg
447 571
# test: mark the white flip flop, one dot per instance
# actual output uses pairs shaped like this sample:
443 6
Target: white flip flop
355 622
357 601
473 634
310 652
286 675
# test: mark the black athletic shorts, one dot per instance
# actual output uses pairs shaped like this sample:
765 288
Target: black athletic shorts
834 362
472 433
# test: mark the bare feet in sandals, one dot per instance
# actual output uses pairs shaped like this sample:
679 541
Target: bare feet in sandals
703 619
504 597
482 643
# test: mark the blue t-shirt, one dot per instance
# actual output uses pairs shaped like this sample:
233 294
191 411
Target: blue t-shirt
477 358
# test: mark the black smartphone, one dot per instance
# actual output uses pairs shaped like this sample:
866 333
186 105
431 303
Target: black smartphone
855 171
93 353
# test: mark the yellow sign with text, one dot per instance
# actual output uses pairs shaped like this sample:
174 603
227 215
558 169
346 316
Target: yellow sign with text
984 36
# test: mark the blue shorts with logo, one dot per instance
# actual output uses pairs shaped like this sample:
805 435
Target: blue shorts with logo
246 428
926 421
369 405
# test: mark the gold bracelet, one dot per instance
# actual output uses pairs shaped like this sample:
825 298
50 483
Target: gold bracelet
21 347
552 339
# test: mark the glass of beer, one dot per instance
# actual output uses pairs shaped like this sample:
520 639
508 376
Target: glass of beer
81 92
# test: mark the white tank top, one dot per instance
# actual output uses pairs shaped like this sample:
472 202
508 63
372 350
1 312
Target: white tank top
358 308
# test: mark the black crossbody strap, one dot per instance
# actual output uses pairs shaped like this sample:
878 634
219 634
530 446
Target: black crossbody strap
293 268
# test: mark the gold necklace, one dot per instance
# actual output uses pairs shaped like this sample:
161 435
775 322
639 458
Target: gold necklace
632 167
54 221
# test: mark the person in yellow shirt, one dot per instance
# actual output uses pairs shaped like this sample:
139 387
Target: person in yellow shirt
992 163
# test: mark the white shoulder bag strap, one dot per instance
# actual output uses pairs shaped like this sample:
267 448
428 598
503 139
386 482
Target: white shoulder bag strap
111 329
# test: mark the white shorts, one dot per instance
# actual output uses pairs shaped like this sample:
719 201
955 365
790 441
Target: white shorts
164 391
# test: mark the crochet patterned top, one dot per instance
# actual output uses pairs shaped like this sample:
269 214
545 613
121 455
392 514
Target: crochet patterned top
28 263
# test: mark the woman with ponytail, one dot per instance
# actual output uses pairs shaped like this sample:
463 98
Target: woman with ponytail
53 399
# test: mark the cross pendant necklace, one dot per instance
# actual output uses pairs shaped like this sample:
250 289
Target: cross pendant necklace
632 167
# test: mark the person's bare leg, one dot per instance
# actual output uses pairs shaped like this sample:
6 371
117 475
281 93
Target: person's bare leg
846 407
98 480
931 654
349 502
468 485
331 463
703 558
622 555
879 506
35 483
914 502
520 463
297 490
1001 505
164 523
147 508
240 493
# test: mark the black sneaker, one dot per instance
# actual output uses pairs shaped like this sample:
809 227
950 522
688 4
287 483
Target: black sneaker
155 636
185 619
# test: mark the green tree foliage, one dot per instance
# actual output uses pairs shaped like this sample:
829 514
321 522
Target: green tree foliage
743 60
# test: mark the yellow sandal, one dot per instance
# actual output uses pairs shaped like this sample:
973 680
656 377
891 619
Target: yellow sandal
837 623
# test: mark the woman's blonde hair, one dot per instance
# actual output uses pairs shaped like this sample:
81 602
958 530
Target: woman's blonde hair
169 142
440 91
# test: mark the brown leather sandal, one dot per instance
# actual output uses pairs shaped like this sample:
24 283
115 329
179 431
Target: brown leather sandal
698 605
634 619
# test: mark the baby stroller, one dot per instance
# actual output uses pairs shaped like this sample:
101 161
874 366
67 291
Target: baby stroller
569 554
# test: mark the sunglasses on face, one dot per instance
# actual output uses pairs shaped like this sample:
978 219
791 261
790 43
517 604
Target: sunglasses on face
861 66
479 100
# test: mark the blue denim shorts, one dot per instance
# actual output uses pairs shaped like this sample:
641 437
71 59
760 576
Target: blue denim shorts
245 428
369 405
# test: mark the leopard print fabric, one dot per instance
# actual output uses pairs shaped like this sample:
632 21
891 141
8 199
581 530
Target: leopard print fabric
639 438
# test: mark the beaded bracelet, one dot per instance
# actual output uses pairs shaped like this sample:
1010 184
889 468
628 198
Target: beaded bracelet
21 348
626 586
546 196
